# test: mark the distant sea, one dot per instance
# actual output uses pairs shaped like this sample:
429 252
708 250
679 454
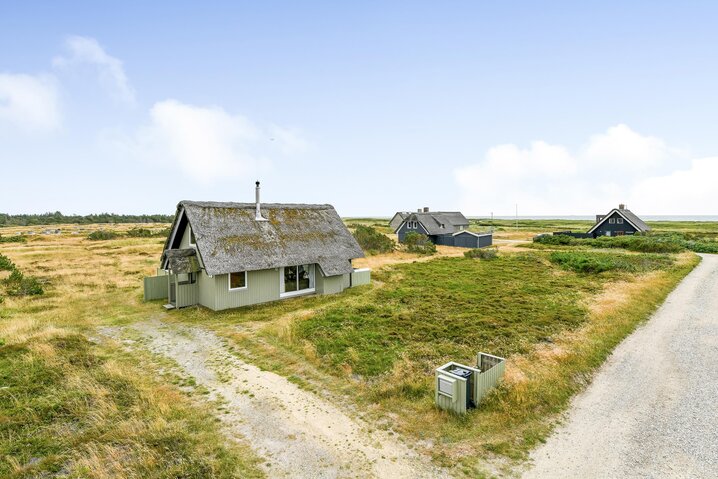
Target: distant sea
592 218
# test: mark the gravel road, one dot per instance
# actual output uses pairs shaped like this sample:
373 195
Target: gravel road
652 409
300 434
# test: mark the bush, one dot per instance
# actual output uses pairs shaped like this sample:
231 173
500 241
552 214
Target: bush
145 233
139 233
593 263
102 235
12 239
419 243
20 285
6 264
373 241
638 243
482 253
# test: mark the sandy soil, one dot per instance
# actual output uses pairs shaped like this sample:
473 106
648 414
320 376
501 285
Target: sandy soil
300 434
651 411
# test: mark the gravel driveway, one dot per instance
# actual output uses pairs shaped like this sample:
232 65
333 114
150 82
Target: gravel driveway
300 434
652 409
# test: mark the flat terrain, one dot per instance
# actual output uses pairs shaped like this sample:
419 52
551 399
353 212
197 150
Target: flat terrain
96 383
300 434
651 410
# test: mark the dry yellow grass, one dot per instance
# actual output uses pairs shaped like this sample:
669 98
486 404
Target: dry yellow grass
72 402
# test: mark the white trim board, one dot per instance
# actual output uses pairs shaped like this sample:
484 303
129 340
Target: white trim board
607 217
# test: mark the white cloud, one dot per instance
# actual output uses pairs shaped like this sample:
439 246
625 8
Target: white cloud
622 147
688 191
208 144
619 165
85 50
29 102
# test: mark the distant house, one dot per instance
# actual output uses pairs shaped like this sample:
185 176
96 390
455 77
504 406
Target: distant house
228 255
398 219
618 222
447 228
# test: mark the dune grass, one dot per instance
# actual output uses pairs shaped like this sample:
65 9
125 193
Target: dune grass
73 404
99 411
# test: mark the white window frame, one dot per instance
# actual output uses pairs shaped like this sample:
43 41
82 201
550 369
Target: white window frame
611 221
189 238
619 221
229 281
300 292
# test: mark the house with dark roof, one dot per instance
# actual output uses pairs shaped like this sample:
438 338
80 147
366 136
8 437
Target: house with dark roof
447 228
398 219
228 255
618 222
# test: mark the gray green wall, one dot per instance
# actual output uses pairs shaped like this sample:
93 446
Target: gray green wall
262 286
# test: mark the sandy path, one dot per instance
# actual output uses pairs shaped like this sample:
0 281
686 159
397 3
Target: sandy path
652 409
300 434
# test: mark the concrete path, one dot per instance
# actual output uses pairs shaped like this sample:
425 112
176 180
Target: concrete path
652 409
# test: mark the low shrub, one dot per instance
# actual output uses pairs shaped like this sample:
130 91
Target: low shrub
6 264
102 235
482 253
17 284
13 239
638 243
146 233
419 243
593 263
372 241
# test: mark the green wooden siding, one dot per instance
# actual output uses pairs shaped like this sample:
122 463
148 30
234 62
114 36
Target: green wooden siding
187 295
207 290
492 370
334 284
155 288
361 277
262 286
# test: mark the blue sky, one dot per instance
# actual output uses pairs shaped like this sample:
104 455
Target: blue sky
561 107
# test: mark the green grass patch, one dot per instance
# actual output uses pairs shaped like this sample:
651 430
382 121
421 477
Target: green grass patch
72 408
449 308
592 262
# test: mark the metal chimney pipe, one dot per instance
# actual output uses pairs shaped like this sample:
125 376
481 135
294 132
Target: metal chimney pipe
258 212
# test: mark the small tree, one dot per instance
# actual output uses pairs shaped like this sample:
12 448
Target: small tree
419 243
373 241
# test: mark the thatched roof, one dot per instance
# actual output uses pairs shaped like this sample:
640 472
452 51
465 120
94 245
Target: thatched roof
230 239
182 260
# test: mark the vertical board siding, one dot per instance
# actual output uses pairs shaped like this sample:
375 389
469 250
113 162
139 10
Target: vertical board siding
262 286
334 284
361 277
492 370
187 295
346 281
155 288
486 240
207 290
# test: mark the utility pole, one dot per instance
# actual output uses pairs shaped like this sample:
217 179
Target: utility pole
517 216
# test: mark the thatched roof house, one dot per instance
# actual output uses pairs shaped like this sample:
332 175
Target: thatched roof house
246 253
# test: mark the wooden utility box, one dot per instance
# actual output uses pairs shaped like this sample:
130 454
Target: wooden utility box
460 387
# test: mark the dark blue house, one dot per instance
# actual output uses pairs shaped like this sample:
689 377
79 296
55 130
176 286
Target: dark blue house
447 228
618 222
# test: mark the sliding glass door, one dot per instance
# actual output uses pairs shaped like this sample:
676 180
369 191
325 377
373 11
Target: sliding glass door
297 279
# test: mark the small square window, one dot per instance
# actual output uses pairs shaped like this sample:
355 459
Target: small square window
237 280
612 221
619 221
